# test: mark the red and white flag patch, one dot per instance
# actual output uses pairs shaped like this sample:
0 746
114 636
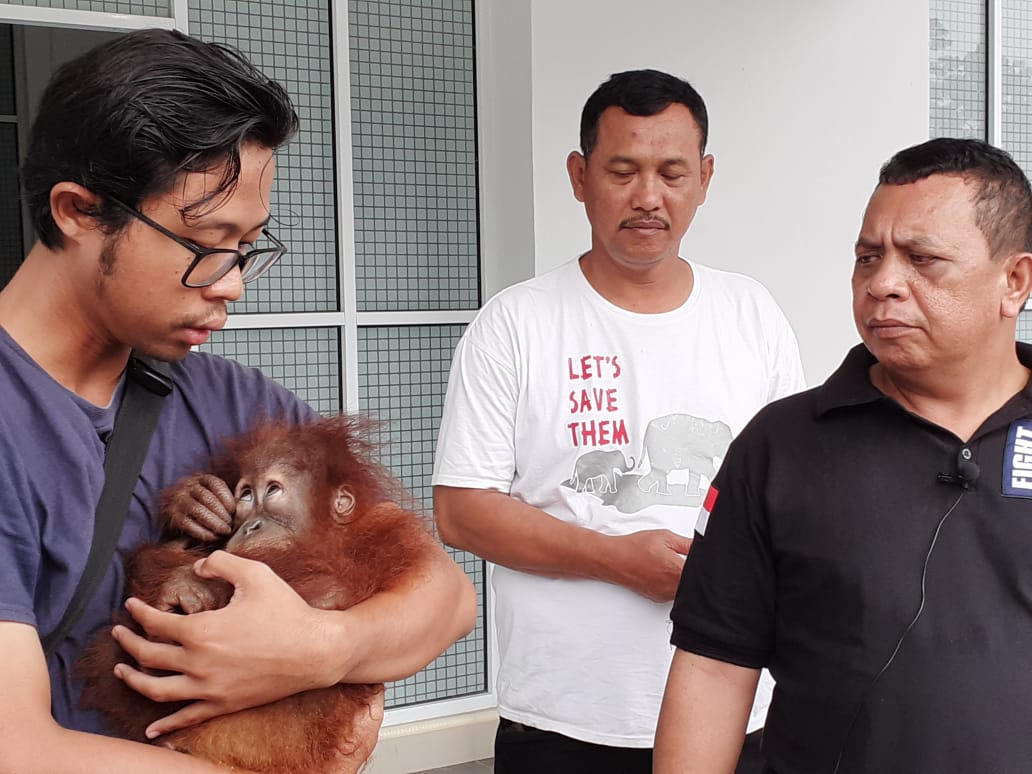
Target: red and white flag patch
707 507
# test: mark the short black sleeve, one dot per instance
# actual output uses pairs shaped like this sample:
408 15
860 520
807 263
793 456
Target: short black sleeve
724 608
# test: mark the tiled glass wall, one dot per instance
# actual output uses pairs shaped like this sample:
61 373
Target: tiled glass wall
304 360
958 42
1016 75
957 58
1016 99
414 154
1025 326
415 215
161 8
402 377
416 249
11 246
459 671
292 43
7 101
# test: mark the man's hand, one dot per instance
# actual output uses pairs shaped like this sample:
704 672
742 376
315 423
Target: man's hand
268 643
505 531
200 506
259 648
650 562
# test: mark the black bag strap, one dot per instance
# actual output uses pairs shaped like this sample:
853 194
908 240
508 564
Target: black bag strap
148 382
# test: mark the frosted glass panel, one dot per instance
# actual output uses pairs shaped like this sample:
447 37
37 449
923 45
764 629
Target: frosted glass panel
290 42
403 374
11 248
304 360
414 154
957 58
1017 81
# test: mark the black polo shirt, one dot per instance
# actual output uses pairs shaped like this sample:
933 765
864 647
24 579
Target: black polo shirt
812 563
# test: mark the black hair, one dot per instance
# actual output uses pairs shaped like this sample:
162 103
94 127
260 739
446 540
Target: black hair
126 118
640 93
1003 201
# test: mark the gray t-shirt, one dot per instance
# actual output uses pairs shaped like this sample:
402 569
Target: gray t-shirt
52 474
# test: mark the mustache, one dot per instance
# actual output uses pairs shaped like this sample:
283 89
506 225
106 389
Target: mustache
644 223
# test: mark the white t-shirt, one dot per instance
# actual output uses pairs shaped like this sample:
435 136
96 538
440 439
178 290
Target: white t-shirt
615 421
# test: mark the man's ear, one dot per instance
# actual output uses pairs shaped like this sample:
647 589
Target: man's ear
575 166
343 504
70 205
1019 284
705 175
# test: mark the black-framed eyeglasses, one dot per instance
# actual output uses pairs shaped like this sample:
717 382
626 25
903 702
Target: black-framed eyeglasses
210 264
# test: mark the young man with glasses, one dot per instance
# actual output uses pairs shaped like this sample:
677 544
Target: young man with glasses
148 180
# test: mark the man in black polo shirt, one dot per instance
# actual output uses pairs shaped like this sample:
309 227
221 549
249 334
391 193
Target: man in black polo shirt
870 541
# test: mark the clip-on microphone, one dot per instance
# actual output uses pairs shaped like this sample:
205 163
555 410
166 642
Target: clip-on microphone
967 471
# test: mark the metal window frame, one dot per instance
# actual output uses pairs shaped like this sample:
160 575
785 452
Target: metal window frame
994 72
93 20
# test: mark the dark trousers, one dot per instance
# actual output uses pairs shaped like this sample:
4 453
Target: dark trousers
520 749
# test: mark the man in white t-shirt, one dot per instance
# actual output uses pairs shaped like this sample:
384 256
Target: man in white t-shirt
588 409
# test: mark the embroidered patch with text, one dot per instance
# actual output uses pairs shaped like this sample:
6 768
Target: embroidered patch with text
1017 460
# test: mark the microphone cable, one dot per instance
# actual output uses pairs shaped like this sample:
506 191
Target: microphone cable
899 643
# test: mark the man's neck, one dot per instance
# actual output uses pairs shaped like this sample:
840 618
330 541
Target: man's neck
659 288
41 310
959 401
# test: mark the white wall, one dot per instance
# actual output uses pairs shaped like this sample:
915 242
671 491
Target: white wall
806 100
505 140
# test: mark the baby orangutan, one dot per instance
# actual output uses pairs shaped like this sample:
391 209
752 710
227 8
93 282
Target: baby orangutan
309 502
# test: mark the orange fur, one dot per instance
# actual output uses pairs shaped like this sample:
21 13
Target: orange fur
332 566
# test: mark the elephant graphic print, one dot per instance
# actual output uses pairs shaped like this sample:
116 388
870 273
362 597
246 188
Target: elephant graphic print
677 453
